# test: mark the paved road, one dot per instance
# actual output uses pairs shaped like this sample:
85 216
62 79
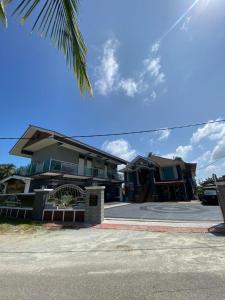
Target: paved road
166 211
108 264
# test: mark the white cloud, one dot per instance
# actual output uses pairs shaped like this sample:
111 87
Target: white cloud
130 86
153 95
164 134
120 148
108 71
181 151
160 78
108 74
109 79
219 150
211 131
185 25
217 169
153 66
203 158
155 47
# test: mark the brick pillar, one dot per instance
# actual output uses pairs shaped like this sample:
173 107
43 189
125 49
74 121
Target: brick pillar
94 204
41 196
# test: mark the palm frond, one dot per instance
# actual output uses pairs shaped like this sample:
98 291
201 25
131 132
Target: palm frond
3 18
57 20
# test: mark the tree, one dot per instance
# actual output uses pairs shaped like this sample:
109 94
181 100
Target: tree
57 20
200 187
7 170
207 181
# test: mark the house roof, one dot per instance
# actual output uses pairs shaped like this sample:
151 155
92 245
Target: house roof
36 138
17 177
138 160
162 162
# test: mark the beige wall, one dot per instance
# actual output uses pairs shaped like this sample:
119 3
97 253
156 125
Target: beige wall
64 154
56 152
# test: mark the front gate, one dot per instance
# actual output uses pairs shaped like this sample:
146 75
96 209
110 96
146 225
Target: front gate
66 203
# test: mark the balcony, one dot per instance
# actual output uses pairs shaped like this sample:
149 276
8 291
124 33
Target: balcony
62 167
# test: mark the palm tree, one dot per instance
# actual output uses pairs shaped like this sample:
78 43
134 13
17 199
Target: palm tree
7 170
57 20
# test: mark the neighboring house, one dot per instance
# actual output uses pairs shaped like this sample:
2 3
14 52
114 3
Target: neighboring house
15 184
57 160
155 178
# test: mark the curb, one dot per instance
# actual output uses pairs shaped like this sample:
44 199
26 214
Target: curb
170 229
162 228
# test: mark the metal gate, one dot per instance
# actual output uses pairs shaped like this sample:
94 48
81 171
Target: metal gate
66 203
67 195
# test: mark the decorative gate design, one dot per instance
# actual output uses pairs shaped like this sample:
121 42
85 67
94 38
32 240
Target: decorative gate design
67 195
66 203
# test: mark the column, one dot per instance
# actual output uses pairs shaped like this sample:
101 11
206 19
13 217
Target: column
94 204
41 196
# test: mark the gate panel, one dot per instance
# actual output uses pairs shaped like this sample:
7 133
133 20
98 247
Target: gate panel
66 203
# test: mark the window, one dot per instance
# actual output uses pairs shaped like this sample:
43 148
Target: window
168 173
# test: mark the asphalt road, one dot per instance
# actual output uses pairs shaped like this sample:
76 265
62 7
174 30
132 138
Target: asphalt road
108 264
166 211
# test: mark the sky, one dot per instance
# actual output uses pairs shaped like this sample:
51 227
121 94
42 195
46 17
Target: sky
152 64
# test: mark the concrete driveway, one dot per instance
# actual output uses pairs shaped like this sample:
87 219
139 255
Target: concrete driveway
179 211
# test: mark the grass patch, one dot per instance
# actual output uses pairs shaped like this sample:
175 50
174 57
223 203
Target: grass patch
8 225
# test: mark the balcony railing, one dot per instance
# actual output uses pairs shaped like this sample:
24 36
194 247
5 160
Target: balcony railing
56 166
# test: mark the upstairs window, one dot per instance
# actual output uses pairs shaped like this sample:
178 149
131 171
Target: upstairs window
168 173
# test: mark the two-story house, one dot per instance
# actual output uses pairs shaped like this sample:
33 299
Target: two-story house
57 159
156 178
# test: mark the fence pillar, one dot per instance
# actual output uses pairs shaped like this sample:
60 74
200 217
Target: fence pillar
41 196
94 204
221 196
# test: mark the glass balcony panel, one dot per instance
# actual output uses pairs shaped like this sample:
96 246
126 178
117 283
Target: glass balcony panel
46 165
39 167
55 165
69 168
88 171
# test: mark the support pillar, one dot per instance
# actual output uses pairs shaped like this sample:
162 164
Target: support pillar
41 196
94 204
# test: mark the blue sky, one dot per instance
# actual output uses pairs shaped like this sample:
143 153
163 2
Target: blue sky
153 65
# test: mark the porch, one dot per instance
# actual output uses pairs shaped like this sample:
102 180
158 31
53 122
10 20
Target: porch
174 190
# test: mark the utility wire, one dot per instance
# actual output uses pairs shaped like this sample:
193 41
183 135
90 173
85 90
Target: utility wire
212 163
124 133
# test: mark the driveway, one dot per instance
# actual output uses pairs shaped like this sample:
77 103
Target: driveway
188 211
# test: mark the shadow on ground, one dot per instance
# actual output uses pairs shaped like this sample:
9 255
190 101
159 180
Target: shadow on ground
218 229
